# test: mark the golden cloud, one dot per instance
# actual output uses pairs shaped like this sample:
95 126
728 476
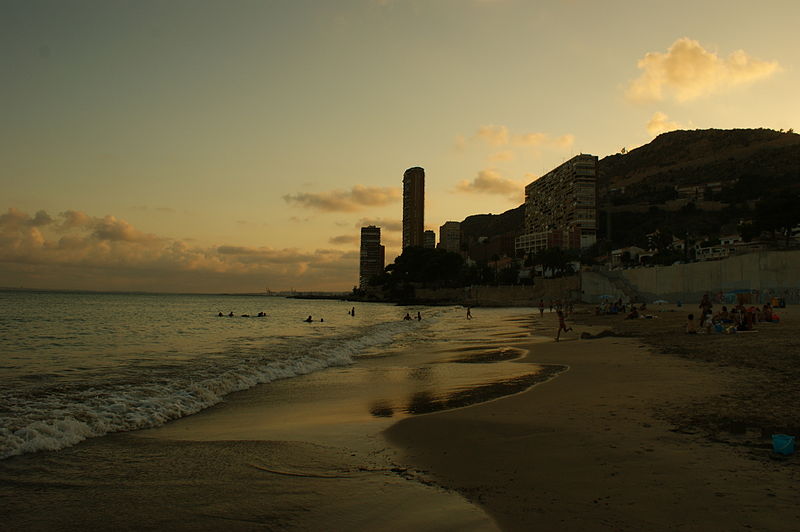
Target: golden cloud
499 136
385 225
490 181
355 199
688 71
81 251
660 123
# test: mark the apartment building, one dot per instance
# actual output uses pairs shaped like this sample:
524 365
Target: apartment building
372 256
413 207
561 208
450 236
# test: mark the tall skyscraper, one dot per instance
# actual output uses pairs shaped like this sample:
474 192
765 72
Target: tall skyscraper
413 207
450 236
372 255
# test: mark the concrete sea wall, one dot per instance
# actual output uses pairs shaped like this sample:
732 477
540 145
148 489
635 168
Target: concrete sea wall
765 274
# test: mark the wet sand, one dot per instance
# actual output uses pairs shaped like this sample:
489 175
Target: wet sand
611 443
612 436
299 454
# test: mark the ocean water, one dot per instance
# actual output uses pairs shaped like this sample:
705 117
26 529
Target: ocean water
80 365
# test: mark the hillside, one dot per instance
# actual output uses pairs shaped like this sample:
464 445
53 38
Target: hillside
490 225
748 163
640 187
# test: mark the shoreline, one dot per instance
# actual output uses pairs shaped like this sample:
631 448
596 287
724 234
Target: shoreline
599 449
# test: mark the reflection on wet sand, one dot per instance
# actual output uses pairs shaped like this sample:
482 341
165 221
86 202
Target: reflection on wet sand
426 402
381 409
494 355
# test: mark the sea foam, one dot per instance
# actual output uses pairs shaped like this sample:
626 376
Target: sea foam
61 419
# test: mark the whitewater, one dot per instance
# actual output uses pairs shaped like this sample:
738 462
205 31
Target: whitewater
80 365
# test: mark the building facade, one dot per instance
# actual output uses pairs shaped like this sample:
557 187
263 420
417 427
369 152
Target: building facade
561 208
372 257
450 236
429 239
413 207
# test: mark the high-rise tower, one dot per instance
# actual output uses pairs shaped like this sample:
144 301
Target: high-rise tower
372 255
413 207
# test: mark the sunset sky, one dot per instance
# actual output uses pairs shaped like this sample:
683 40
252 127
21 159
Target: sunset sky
208 146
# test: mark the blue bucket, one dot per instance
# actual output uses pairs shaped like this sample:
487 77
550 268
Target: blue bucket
783 444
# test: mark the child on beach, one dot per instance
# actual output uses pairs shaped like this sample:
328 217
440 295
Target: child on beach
690 326
562 326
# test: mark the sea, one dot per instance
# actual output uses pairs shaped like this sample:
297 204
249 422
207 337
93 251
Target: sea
75 366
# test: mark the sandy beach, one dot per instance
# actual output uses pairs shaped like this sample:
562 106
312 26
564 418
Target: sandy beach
628 439
615 434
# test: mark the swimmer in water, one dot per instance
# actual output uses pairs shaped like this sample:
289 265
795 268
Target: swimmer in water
308 320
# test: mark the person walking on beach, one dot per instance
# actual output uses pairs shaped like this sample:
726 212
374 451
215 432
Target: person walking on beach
705 308
541 308
469 313
562 326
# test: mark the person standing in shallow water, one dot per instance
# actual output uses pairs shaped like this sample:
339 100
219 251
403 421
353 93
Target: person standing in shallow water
562 325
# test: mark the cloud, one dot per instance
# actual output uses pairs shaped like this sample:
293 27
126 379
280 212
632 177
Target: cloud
660 123
76 250
687 71
491 182
493 135
500 136
343 239
357 198
15 219
385 225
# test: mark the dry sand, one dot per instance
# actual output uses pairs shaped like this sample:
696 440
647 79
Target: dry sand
629 438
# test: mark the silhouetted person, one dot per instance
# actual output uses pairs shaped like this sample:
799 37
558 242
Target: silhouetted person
562 325
469 313
353 312
230 315
308 319
220 314
419 316
407 316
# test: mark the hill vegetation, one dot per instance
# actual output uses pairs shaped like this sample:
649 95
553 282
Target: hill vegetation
699 184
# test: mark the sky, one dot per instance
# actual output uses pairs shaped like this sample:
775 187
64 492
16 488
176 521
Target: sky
235 146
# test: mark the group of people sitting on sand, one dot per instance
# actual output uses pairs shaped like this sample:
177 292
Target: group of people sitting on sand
631 310
639 312
613 307
740 318
230 315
